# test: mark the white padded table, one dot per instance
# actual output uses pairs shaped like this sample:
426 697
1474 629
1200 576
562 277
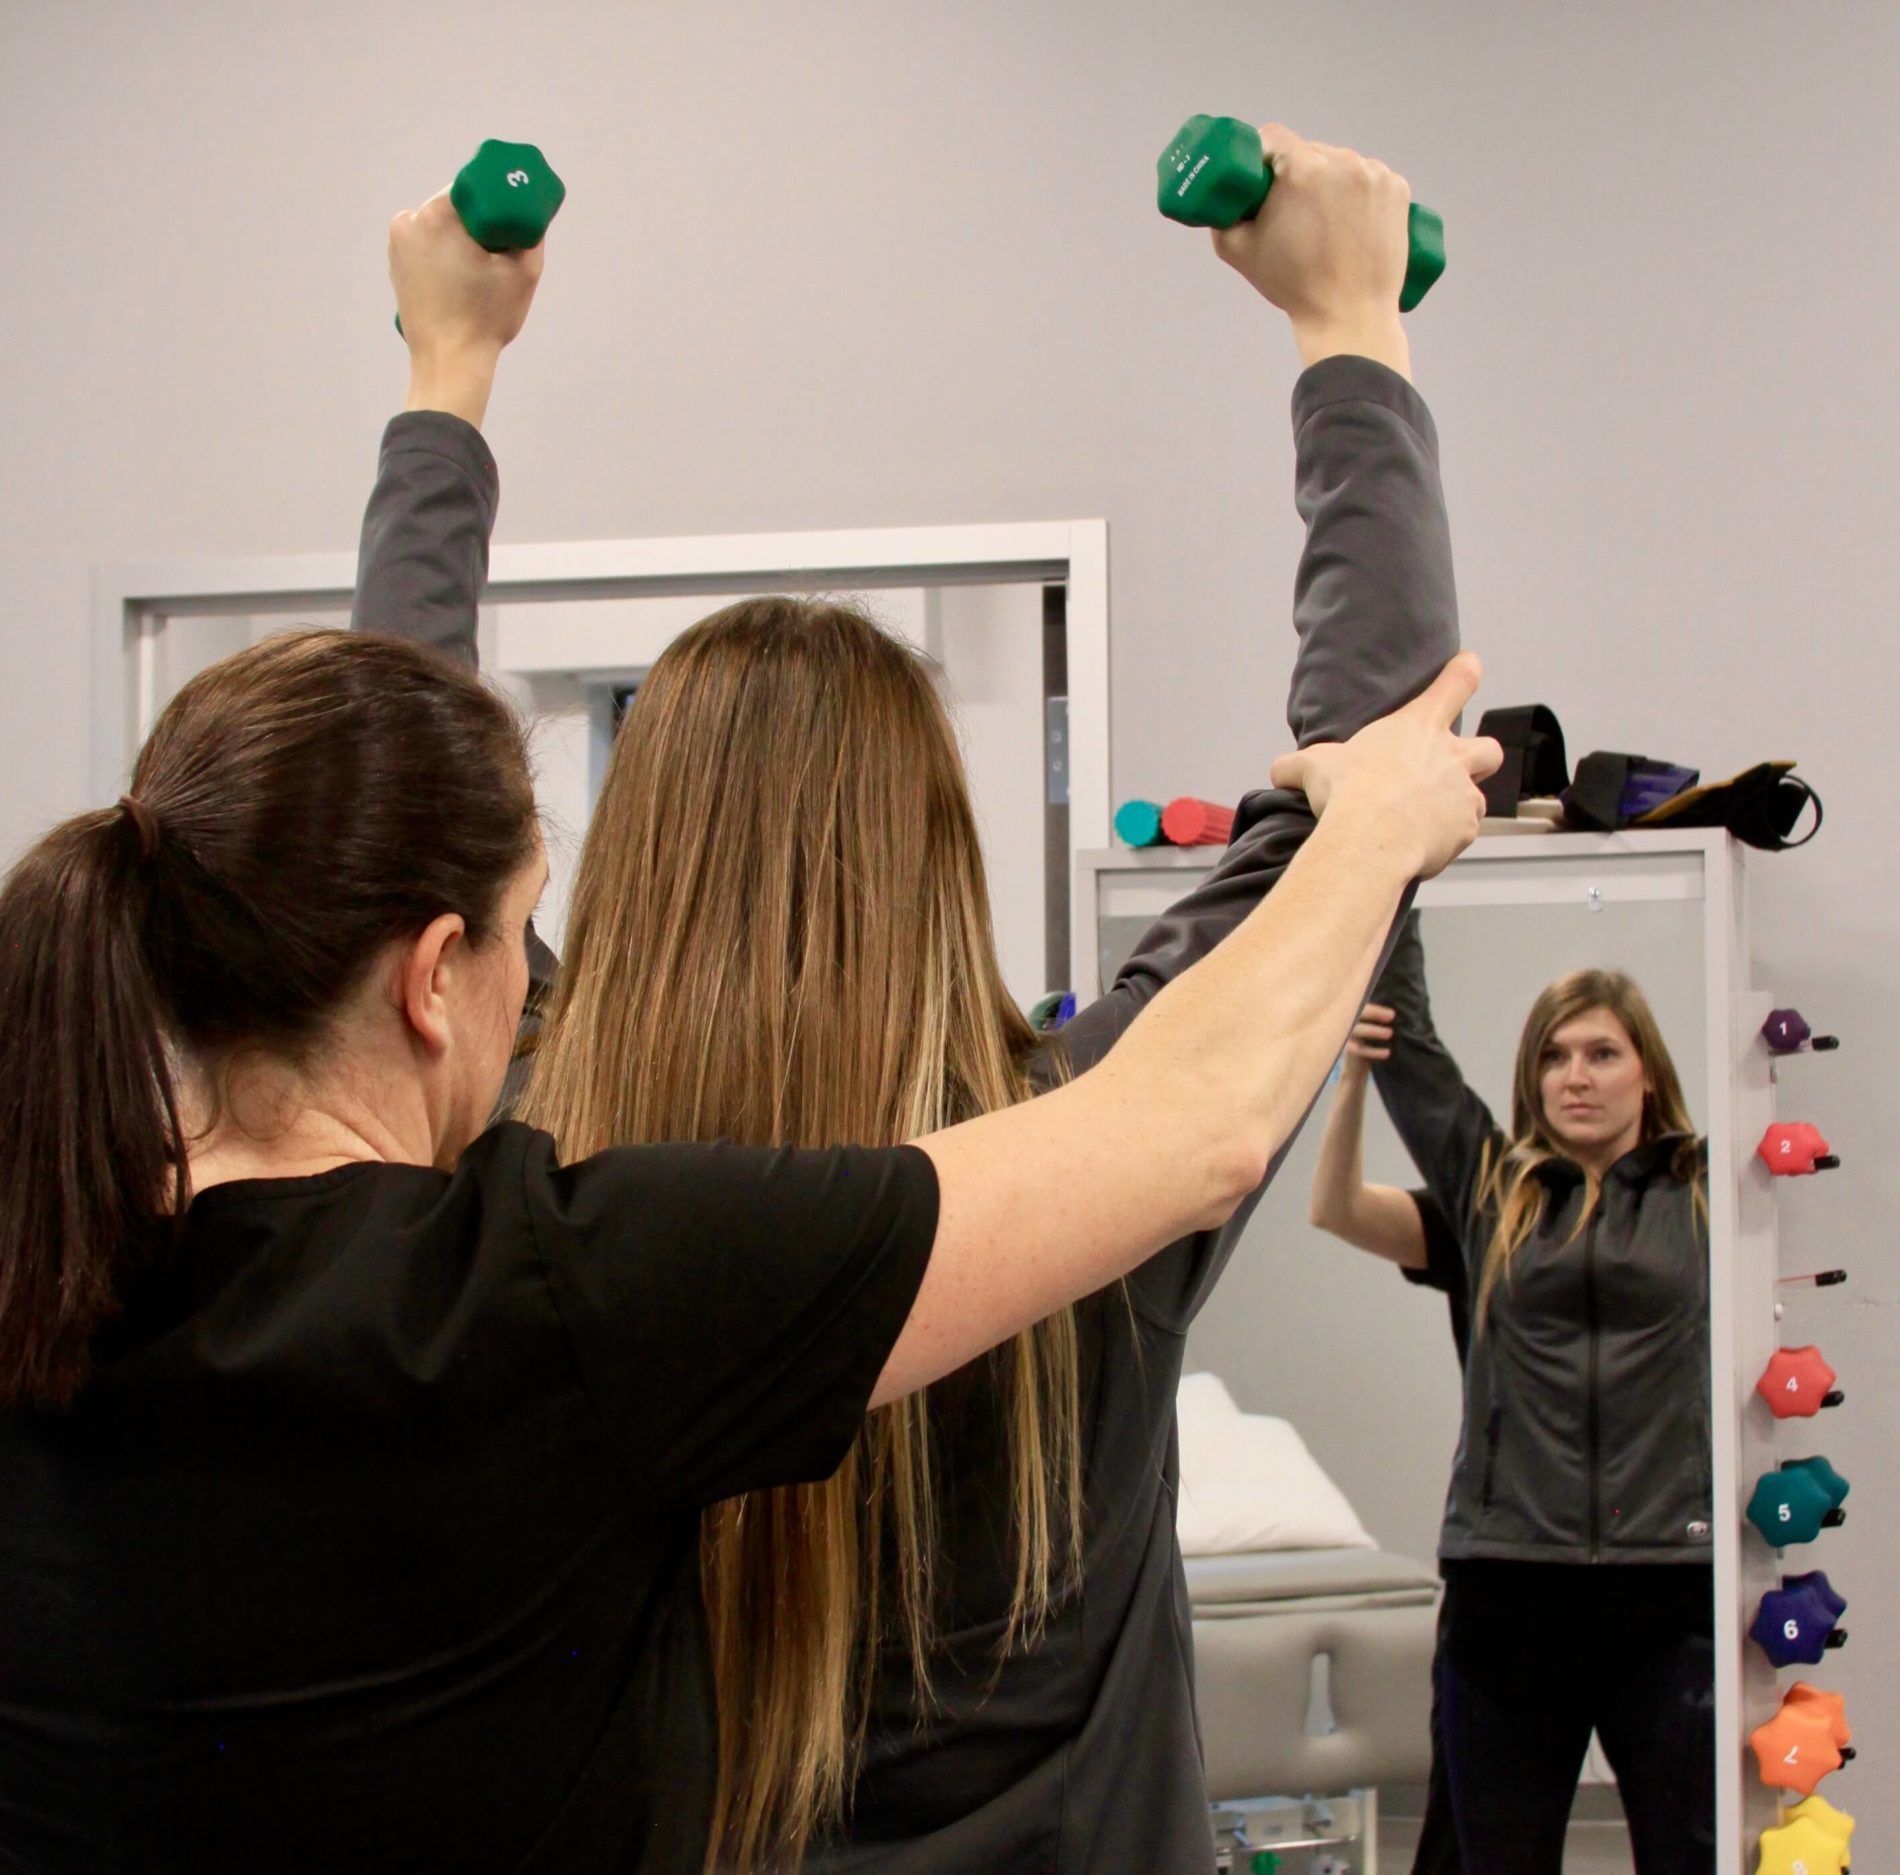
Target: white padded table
1262 1620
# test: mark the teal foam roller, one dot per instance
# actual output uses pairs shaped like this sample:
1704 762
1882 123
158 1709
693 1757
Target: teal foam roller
1138 823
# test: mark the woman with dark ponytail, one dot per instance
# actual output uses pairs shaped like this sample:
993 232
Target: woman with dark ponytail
353 1450
178 926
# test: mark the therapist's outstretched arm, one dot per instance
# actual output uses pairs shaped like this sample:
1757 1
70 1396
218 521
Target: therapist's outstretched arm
1049 1201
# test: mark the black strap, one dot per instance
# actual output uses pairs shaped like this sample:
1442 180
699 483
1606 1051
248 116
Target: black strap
1534 760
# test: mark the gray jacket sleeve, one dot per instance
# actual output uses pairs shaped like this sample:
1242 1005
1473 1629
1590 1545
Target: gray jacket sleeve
1442 1122
1376 613
421 566
423 559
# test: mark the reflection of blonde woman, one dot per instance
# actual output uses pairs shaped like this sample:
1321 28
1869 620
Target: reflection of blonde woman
968 1649
1576 1543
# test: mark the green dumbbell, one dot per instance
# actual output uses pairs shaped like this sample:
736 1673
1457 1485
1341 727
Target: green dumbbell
1798 1502
1214 174
506 194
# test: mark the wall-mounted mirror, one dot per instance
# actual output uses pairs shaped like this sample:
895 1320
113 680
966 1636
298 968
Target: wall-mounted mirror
1014 614
1592 1384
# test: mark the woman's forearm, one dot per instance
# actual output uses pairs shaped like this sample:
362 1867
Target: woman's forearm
1378 1218
1339 1170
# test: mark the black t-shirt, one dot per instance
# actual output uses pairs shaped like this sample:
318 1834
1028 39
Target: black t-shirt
372 1543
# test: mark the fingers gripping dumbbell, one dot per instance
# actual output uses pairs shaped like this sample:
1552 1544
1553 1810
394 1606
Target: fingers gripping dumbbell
1797 1623
1214 174
506 195
1797 1383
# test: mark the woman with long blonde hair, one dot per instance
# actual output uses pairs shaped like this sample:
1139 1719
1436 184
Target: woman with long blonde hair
1576 1548
971 1646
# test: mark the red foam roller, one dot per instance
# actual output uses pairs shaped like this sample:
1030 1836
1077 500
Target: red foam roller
1188 822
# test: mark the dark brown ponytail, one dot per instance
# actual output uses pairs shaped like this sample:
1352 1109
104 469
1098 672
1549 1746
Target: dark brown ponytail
296 808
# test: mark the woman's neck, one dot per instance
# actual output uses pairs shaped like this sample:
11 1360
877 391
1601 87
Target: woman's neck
269 1121
1598 1159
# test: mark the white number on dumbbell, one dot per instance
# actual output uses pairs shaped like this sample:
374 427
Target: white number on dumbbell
1785 1512
1794 1384
518 178
1794 1755
1791 1629
1800 1868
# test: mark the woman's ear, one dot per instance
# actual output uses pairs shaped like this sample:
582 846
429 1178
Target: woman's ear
425 970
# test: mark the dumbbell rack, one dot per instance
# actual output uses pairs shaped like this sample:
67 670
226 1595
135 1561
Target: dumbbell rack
1744 1266
1518 868
1810 1846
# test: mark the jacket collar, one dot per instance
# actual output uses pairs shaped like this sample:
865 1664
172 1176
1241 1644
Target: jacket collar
1636 1167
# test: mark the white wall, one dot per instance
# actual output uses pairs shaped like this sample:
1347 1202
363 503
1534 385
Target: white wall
838 264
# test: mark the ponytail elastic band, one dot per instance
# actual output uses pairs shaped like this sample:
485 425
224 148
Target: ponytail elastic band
145 819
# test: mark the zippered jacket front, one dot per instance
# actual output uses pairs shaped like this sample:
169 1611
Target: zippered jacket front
1586 1419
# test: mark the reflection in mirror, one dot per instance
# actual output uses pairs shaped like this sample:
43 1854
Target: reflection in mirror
1579 1517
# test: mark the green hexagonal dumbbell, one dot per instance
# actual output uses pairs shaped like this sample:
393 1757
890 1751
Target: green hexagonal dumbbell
1824 1475
1214 174
1793 1506
506 195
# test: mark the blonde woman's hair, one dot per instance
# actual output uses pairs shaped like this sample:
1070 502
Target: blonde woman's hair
780 935
1509 1183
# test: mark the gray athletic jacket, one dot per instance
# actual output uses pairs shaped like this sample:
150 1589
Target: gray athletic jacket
1082 1753
1586 1426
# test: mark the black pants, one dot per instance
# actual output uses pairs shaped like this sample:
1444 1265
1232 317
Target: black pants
1437 1851
1533 1657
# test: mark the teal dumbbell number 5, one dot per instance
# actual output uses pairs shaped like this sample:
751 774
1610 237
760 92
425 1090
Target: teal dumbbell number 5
1214 174
506 195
